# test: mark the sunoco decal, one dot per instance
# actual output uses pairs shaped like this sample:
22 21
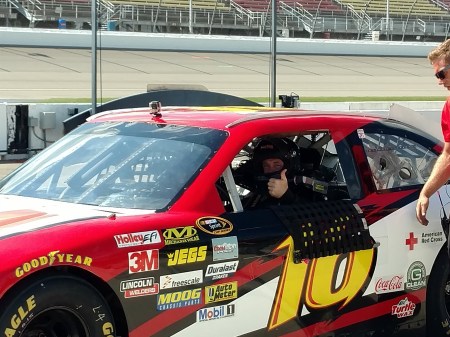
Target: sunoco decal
214 225
137 239
139 287
416 276
220 311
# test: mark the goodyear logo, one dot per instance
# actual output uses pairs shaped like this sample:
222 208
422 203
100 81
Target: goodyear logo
187 255
214 225
179 299
180 235
221 292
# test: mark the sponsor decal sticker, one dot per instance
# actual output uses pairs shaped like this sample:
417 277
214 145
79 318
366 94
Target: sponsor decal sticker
52 258
181 279
139 287
221 270
145 260
389 284
361 133
404 308
416 276
187 255
137 239
21 316
214 225
221 311
221 292
177 235
225 248
433 237
411 241
179 299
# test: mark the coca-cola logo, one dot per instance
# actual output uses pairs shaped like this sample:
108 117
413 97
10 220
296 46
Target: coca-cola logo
389 284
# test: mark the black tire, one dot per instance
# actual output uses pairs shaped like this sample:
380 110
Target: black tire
57 307
438 297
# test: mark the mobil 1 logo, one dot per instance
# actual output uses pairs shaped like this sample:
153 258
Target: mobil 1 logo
221 311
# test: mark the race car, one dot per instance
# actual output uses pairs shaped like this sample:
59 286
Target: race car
142 222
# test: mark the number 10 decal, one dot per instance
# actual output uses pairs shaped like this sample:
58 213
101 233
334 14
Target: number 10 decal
331 281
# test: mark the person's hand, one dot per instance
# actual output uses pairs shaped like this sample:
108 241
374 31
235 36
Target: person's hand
421 209
277 187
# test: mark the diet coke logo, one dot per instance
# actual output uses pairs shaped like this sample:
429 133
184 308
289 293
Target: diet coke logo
389 284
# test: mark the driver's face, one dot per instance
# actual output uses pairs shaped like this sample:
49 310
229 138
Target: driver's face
272 165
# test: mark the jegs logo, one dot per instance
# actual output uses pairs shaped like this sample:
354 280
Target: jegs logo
145 260
214 225
186 255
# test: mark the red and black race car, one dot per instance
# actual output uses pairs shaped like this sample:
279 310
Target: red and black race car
143 222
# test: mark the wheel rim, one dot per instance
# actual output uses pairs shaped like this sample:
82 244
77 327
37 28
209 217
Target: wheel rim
58 322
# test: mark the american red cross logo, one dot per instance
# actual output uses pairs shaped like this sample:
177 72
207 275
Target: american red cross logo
411 241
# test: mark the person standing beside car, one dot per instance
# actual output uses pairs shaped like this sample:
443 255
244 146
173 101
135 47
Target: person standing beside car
440 60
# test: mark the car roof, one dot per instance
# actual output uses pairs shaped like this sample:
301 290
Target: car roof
222 117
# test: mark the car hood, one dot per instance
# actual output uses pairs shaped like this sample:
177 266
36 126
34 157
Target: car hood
23 214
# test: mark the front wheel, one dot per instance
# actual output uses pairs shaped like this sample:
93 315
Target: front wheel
438 297
54 307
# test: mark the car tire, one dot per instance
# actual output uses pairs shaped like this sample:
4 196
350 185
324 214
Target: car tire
438 297
56 306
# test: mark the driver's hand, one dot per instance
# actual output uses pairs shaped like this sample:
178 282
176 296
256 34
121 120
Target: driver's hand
277 187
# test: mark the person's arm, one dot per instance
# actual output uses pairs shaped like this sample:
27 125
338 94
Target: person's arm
438 177
278 187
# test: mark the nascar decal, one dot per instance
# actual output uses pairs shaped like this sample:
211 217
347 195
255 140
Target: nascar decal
317 285
177 235
142 261
179 299
186 255
139 287
22 314
221 311
52 258
181 279
221 292
214 225
137 239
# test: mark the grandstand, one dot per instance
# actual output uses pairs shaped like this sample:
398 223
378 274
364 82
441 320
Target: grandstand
352 19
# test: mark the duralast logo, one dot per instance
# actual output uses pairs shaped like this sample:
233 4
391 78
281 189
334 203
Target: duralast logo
221 292
180 235
187 255
221 270
137 239
53 258
139 287
214 225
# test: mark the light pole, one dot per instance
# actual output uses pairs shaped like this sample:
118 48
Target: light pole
273 73
387 20
94 56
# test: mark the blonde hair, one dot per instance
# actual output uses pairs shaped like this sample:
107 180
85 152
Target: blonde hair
441 52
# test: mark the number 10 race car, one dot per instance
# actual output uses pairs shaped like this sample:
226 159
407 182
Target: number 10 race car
164 222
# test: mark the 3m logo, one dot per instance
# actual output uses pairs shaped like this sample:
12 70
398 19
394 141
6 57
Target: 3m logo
180 235
145 260
187 255
179 299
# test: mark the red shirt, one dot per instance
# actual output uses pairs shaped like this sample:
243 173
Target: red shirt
445 120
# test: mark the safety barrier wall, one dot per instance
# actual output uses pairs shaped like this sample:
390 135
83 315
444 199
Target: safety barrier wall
33 37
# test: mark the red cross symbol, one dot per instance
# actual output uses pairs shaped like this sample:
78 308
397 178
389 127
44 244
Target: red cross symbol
411 241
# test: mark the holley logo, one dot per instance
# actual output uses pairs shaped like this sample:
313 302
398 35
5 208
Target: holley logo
389 284
404 308
137 239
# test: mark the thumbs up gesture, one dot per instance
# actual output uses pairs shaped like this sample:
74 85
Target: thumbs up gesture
277 187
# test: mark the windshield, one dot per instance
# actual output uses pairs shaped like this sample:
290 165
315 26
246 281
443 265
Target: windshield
125 165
